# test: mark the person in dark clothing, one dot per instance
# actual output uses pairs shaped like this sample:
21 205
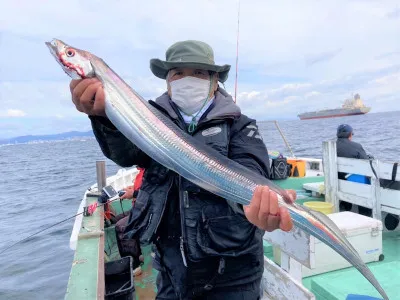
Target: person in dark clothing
129 247
346 147
205 246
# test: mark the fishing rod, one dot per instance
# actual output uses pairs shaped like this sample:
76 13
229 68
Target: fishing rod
87 211
236 77
237 50
284 139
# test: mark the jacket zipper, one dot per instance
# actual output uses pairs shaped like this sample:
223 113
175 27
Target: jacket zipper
182 203
183 252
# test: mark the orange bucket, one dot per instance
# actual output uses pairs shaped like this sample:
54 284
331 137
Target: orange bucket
298 167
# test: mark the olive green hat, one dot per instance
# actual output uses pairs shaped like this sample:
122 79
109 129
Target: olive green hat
188 54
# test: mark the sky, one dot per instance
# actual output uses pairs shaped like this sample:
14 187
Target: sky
294 56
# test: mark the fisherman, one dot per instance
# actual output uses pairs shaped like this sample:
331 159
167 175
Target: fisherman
206 247
345 146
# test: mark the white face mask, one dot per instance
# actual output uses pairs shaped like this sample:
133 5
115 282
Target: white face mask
190 93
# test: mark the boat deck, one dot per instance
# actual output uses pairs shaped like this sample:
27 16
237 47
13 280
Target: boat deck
86 279
145 284
336 285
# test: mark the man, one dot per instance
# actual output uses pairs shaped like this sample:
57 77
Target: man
345 146
132 191
206 247
130 247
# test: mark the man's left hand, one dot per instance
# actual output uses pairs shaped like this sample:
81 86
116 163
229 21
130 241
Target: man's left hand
128 193
264 211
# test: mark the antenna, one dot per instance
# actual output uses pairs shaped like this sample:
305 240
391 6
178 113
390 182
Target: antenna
237 51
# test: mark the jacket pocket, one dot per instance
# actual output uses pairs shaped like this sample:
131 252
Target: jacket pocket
191 235
230 235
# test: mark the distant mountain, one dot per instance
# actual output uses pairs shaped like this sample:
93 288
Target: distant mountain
49 137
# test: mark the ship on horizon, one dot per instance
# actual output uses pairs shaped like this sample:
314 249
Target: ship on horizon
350 107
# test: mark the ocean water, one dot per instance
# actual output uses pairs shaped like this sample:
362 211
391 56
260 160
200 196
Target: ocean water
43 183
378 133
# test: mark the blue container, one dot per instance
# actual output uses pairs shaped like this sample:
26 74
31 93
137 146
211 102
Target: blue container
360 297
358 178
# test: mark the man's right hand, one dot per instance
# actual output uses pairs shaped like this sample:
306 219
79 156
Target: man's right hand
88 96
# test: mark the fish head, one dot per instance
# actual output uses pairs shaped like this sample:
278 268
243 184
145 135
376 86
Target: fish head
75 62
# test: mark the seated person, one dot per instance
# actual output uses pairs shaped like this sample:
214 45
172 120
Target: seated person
346 147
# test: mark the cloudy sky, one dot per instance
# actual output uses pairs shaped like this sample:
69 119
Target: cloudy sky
294 56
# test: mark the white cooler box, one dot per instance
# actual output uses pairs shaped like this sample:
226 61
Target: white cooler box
364 233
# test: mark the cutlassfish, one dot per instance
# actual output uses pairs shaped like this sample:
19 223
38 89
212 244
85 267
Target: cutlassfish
166 143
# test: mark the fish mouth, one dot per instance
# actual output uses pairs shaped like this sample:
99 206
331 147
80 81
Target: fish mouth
52 45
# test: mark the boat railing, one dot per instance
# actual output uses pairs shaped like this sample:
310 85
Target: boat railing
296 251
123 178
368 190
88 238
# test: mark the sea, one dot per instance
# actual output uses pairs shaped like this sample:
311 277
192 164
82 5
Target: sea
42 183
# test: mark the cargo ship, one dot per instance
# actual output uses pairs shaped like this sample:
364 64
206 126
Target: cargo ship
350 107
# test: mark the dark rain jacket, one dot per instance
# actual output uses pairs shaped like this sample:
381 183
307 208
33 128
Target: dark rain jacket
350 149
169 206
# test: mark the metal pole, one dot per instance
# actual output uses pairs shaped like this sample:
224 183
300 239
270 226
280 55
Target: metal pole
287 144
101 174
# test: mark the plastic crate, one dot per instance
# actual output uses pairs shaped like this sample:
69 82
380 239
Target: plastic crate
119 284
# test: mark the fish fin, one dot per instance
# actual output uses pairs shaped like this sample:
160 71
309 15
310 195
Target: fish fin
360 265
326 220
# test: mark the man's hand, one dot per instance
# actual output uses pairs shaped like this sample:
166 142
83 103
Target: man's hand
128 193
88 96
264 211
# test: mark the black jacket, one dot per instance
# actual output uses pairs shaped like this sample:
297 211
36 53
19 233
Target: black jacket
170 206
350 149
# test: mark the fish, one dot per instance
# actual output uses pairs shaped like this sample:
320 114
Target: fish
162 140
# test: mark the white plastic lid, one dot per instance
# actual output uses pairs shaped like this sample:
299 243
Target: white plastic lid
354 224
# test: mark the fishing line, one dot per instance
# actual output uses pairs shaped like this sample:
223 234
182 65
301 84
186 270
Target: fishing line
58 223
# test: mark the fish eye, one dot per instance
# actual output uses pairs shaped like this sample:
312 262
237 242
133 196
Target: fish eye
70 52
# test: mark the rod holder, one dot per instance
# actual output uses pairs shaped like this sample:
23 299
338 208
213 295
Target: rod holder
101 174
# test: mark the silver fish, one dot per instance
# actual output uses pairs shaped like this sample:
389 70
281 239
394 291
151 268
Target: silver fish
166 143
